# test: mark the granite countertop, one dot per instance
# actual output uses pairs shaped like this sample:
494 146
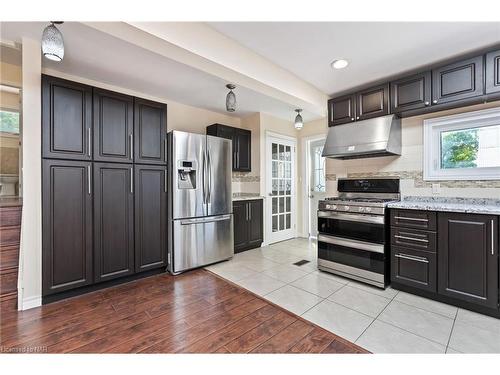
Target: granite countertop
246 196
465 205
11 201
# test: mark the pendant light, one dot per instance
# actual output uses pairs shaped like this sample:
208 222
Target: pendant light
52 42
299 123
230 98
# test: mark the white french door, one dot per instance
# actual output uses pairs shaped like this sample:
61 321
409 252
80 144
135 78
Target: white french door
280 181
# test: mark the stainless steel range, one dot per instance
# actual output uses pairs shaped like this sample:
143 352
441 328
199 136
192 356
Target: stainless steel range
352 239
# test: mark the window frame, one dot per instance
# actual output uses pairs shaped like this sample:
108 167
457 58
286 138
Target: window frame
432 145
10 134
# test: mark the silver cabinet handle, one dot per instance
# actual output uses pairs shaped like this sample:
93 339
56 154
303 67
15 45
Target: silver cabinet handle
131 180
246 212
89 141
492 237
249 211
165 181
165 149
410 218
411 257
89 184
131 141
410 238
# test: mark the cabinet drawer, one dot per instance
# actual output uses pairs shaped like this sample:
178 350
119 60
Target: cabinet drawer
413 238
413 268
414 219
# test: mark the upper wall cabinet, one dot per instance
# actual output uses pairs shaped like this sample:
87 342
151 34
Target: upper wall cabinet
150 132
411 93
458 81
241 144
66 119
113 126
341 110
372 102
493 72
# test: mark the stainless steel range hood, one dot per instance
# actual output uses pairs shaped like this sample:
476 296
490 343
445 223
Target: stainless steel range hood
380 136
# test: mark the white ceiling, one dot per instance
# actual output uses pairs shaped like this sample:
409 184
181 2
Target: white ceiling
375 50
95 55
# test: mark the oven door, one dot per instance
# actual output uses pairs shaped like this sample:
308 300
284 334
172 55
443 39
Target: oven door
359 260
366 228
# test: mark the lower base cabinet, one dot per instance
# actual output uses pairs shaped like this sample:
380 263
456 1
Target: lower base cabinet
248 227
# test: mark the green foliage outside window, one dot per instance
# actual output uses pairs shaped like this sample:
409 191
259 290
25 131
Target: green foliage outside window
9 122
459 149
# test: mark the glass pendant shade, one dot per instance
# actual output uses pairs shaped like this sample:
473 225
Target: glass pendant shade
52 43
299 123
231 99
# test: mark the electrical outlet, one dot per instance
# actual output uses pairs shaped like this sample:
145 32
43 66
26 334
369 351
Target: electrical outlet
436 189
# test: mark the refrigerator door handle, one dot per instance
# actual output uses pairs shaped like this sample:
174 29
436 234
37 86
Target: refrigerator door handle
203 162
209 190
205 220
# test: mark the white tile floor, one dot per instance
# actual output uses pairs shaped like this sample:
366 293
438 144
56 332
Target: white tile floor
381 321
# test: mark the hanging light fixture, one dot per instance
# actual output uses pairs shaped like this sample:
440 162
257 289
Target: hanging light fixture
299 123
230 98
52 42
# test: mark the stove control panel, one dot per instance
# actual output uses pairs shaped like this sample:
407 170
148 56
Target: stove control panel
353 208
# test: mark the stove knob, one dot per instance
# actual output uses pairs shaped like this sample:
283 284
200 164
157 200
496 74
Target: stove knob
346 208
334 207
368 209
328 206
361 209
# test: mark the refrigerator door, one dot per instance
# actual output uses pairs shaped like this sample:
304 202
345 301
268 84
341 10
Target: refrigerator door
219 176
202 241
187 171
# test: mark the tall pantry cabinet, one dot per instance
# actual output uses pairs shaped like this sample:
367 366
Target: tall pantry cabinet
103 185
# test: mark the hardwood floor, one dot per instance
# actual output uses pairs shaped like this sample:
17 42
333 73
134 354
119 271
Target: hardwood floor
196 312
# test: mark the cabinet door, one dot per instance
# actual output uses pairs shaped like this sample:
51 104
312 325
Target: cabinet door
150 217
413 268
255 228
341 110
66 119
493 72
150 132
458 81
66 225
113 126
242 144
411 92
113 221
372 102
240 217
468 257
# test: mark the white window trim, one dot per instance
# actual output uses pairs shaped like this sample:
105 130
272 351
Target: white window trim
432 145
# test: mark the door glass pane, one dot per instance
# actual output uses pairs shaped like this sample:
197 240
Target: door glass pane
282 152
287 223
288 170
275 187
282 187
275 223
318 164
288 154
274 151
275 169
275 205
282 222
288 205
282 204
288 187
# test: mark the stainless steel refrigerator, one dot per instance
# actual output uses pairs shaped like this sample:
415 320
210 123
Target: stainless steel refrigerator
200 219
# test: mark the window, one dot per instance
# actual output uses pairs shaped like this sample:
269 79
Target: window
9 122
463 147
318 163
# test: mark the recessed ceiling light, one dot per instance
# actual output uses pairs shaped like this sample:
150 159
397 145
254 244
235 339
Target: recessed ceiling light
339 64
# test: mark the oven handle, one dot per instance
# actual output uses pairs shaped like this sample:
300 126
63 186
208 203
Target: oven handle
373 248
379 219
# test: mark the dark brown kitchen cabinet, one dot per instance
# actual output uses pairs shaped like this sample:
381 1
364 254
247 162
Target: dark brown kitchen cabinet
413 268
150 132
150 217
113 126
341 110
372 102
67 225
113 220
241 144
493 72
458 81
248 228
411 93
66 119
468 258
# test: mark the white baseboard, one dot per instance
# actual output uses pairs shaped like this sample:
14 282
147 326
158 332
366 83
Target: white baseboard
31 302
